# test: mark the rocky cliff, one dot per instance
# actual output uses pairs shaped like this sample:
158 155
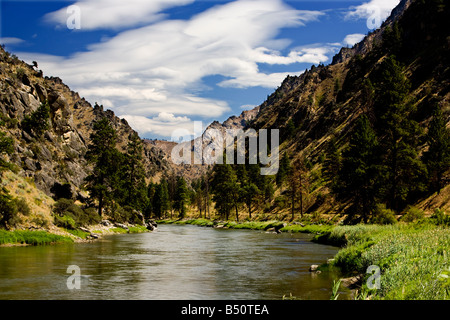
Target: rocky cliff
57 156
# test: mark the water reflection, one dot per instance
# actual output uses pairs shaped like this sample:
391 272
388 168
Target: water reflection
176 262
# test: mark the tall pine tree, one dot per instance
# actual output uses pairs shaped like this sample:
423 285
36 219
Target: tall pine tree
398 135
104 157
437 157
357 178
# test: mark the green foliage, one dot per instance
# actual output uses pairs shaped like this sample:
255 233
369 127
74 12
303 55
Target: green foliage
283 170
440 218
133 173
401 171
69 215
38 121
31 237
382 215
181 197
102 153
412 214
8 210
22 206
437 157
357 177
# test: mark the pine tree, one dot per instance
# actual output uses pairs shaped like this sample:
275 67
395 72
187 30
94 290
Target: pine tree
181 197
225 189
398 135
283 170
332 164
358 175
437 157
134 174
104 156
298 184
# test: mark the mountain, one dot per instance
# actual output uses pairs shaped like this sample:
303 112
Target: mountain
44 162
317 110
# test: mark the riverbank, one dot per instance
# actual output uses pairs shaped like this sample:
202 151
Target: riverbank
413 258
62 235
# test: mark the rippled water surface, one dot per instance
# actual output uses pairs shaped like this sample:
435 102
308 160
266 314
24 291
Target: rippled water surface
173 263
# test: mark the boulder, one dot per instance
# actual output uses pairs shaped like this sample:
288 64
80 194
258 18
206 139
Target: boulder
106 223
121 225
314 268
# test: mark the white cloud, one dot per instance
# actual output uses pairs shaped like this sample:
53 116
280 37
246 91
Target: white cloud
353 38
155 68
11 41
164 124
115 14
376 10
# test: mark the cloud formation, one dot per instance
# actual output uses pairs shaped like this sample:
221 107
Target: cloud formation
151 70
353 38
376 11
115 14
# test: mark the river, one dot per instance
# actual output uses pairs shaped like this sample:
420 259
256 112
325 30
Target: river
173 263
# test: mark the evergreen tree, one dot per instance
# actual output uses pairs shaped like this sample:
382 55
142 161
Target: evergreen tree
332 164
283 170
358 175
181 197
250 193
437 157
398 135
102 153
134 174
38 121
225 189
298 184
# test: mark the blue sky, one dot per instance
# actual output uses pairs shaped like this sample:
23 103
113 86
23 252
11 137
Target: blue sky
162 64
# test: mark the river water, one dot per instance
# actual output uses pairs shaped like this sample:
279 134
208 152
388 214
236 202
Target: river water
173 263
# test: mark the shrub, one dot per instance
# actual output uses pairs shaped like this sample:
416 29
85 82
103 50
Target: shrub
412 214
22 206
38 121
382 215
40 220
440 218
8 211
65 222
281 202
62 205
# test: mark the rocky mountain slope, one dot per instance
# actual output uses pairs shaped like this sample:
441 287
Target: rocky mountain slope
56 157
317 110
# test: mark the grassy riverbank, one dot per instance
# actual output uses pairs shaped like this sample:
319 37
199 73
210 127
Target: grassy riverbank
26 237
39 237
413 257
273 225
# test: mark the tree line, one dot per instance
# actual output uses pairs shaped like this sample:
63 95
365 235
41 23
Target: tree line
383 162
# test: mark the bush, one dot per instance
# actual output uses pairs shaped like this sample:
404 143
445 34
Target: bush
281 202
8 211
38 121
22 206
382 215
66 208
440 218
65 222
62 205
412 214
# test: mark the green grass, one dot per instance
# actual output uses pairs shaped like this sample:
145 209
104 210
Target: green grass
78 233
137 229
31 237
252 225
412 257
